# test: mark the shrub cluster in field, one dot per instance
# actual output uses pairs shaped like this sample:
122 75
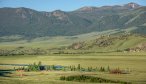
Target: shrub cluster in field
31 67
38 67
84 78
88 69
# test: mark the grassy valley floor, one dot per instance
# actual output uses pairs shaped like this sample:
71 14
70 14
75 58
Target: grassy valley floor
135 62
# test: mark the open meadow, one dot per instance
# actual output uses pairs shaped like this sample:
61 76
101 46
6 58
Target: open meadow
133 62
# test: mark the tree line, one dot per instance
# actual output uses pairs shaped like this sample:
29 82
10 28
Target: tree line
39 67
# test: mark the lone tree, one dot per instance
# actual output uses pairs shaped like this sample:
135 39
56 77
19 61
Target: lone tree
79 67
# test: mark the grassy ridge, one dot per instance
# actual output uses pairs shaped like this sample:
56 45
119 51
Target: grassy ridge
62 41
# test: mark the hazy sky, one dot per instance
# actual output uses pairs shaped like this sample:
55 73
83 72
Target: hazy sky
65 5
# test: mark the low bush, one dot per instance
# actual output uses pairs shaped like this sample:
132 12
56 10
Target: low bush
92 79
118 71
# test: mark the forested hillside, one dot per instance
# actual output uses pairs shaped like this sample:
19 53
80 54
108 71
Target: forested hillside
31 23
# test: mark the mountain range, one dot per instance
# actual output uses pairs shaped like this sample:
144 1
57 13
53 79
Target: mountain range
31 23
